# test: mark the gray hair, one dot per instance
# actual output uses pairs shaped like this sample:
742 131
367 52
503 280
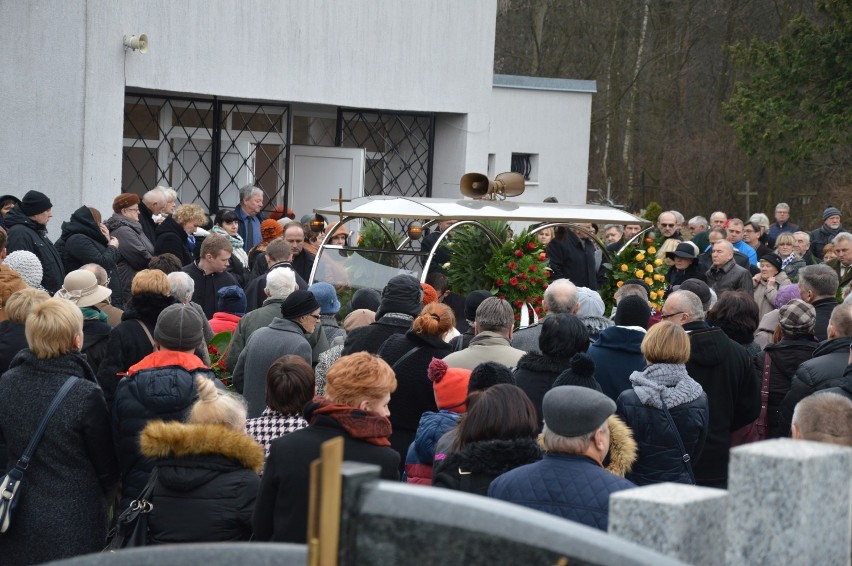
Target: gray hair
560 297
280 282
672 212
727 244
248 192
700 220
722 212
820 279
824 417
182 286
805 235
842 237
630 290
169 194
688 302
99 271
157 194
782 206
556 443
678 216
761 219
278 250
495 315
618 227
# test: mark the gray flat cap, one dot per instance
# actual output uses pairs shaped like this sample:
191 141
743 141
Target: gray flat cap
569 410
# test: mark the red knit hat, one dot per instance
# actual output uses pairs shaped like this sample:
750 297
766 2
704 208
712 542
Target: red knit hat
270 229
430 295
450 385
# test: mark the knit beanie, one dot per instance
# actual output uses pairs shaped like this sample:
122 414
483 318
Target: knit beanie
179 327
124 200
786 294
449 384
366 298
633 311
590 302
581 373
430 295
231 299
34 203
27 265
270 229
298 303
326 296
773 259
402 294
472 302
487 374
826 214
797 317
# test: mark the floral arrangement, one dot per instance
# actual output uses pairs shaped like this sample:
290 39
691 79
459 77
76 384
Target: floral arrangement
638 262
217 349
470 250
519 270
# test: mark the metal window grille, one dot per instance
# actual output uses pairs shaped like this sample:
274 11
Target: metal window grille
399 149
206 149
522 163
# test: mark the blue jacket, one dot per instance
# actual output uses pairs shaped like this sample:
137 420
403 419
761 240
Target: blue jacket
660 459
421 453
616 354
570 486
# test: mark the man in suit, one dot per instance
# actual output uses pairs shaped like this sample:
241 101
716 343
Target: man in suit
842 264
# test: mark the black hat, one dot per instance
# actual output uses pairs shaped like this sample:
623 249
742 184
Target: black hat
472 302
698 287
774 259
34 203
365 298
686 250
231 299
633 311
572 411
299 303
487 374
403 294
179 327
581 373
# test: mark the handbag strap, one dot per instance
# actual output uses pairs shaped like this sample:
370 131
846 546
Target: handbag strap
24 460
405 356
686 459
148 334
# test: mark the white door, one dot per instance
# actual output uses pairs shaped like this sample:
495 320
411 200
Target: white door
317 173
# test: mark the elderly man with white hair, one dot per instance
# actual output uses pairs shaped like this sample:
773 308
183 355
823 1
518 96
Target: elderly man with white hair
725 274
559 297
842 264
153 202
250 216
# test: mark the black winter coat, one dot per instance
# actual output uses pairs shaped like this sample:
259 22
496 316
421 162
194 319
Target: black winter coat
95 342
206 287
414 394
371 337
164 393
823 308
135 250
724 370
477 464
82 242
128 342
146 219
784 359
535 375
25 234
573 258
694 271
255 294
206 483
660 458
63 513
281 510
823 371
12 340
172 239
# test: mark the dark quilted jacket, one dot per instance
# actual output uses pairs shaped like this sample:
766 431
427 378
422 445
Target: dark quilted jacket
784 360
570 486
421 453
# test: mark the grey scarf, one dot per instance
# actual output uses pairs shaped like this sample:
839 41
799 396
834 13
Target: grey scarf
665 382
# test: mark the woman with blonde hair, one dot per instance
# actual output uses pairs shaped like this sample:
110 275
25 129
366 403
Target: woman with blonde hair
14 309
176 234
409 355
666 409
355 408
206 469
791 263
132 340
73 469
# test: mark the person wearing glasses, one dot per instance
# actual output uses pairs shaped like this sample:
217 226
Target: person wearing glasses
300 315
669 233
135 250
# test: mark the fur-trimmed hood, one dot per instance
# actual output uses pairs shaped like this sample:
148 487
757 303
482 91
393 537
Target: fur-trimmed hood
494 457
623 451
535 361
161 440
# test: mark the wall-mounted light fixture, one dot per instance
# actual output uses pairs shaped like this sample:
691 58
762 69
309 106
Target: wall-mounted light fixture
136 42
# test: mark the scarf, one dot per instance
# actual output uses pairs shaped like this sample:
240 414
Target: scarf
362 425
786 261
90 313
665 382
236 240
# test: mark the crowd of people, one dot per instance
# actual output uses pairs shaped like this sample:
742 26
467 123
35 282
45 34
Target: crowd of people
751 343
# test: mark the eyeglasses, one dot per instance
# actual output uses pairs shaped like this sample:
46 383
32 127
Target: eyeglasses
316 316
667 225
668 316
134 209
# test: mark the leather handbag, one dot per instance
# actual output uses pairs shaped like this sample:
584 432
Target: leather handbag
758 429
11 486
131 527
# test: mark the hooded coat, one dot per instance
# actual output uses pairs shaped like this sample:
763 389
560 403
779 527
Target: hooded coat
173 239
135 250
535 375
207 482
474 467
724 370
82 242
617 353
421 454
26 234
